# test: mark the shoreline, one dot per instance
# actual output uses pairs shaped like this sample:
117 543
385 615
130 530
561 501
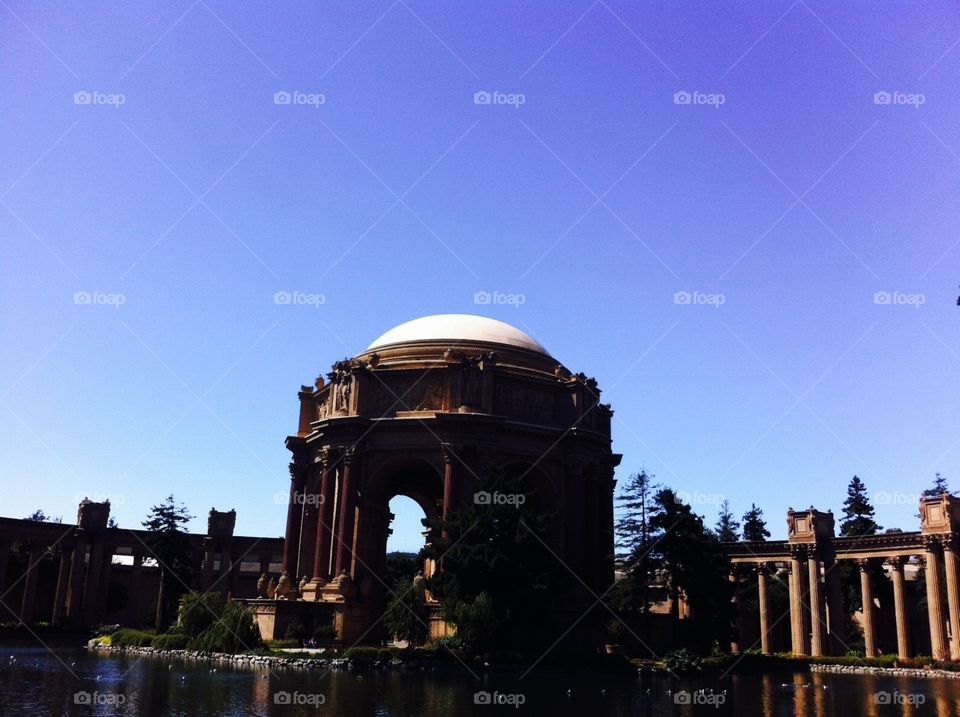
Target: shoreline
922 673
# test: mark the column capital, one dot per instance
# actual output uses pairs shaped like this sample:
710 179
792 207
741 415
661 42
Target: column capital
866 565
896 562
932 541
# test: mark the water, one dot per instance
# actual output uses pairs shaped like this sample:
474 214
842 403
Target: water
69 681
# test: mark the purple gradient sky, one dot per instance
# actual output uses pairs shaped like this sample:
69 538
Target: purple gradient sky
597 199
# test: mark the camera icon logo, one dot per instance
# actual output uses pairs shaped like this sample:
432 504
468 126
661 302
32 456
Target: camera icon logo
482 698
682 97
682 297
282 298
482 97
882 298
882 98
282 98
482 497
282 698
82 698
82 97
482 297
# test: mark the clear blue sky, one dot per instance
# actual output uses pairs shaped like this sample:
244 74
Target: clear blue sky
183 190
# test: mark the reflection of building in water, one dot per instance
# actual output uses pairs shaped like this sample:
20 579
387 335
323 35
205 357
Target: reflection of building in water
809 562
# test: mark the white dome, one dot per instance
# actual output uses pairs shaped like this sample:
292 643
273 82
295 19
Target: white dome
458 327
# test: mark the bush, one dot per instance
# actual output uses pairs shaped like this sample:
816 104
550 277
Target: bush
325 632
447 642
197 612
170 641
295 630
234 631
285 643
362 654
682 660
126 637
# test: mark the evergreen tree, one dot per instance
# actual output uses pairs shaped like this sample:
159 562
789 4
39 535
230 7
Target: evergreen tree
495 573
37 516
754 526
728 529
694 564
858 511
632 528
939 487
170 546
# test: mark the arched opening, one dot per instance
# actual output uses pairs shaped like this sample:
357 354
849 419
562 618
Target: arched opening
405 539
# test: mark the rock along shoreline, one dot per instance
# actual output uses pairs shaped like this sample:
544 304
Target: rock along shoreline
885 671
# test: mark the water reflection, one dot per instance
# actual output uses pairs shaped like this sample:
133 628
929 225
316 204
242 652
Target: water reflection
37 683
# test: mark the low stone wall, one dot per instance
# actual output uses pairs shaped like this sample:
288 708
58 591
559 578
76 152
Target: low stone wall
884 671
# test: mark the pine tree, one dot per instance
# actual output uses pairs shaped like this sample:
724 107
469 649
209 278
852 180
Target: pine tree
728 529
858 511
939 487
170 546
754 526
632 529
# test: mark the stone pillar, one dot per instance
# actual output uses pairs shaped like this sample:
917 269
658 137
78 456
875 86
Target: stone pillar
938 633
321 558
836 617
30 584
869 619
135 598
797 628
953 596
4 559
737 624
347 508
78 569
308 538
764 598
208 556
448 487
900 607
92 596
291 539
816 605
63 583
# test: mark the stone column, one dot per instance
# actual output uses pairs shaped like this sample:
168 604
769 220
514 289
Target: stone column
308 539
135 586
92 597
836 617
869 619
206 579
816 605
63 583
938 633
345 545
735 599
764 598
4 559
797 631
448 486
78 570
900 607
953 595
321 558
30 584
291 539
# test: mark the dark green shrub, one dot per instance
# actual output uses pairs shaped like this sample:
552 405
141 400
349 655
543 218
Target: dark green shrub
170 641
285 643
325 632
126 637
197 612
234 631
362 654
682 660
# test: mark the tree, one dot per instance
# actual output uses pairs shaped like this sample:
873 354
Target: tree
170 546
858 511
939 487
496 576
728 529
632 529
407 617
754 526
694 564
37 516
